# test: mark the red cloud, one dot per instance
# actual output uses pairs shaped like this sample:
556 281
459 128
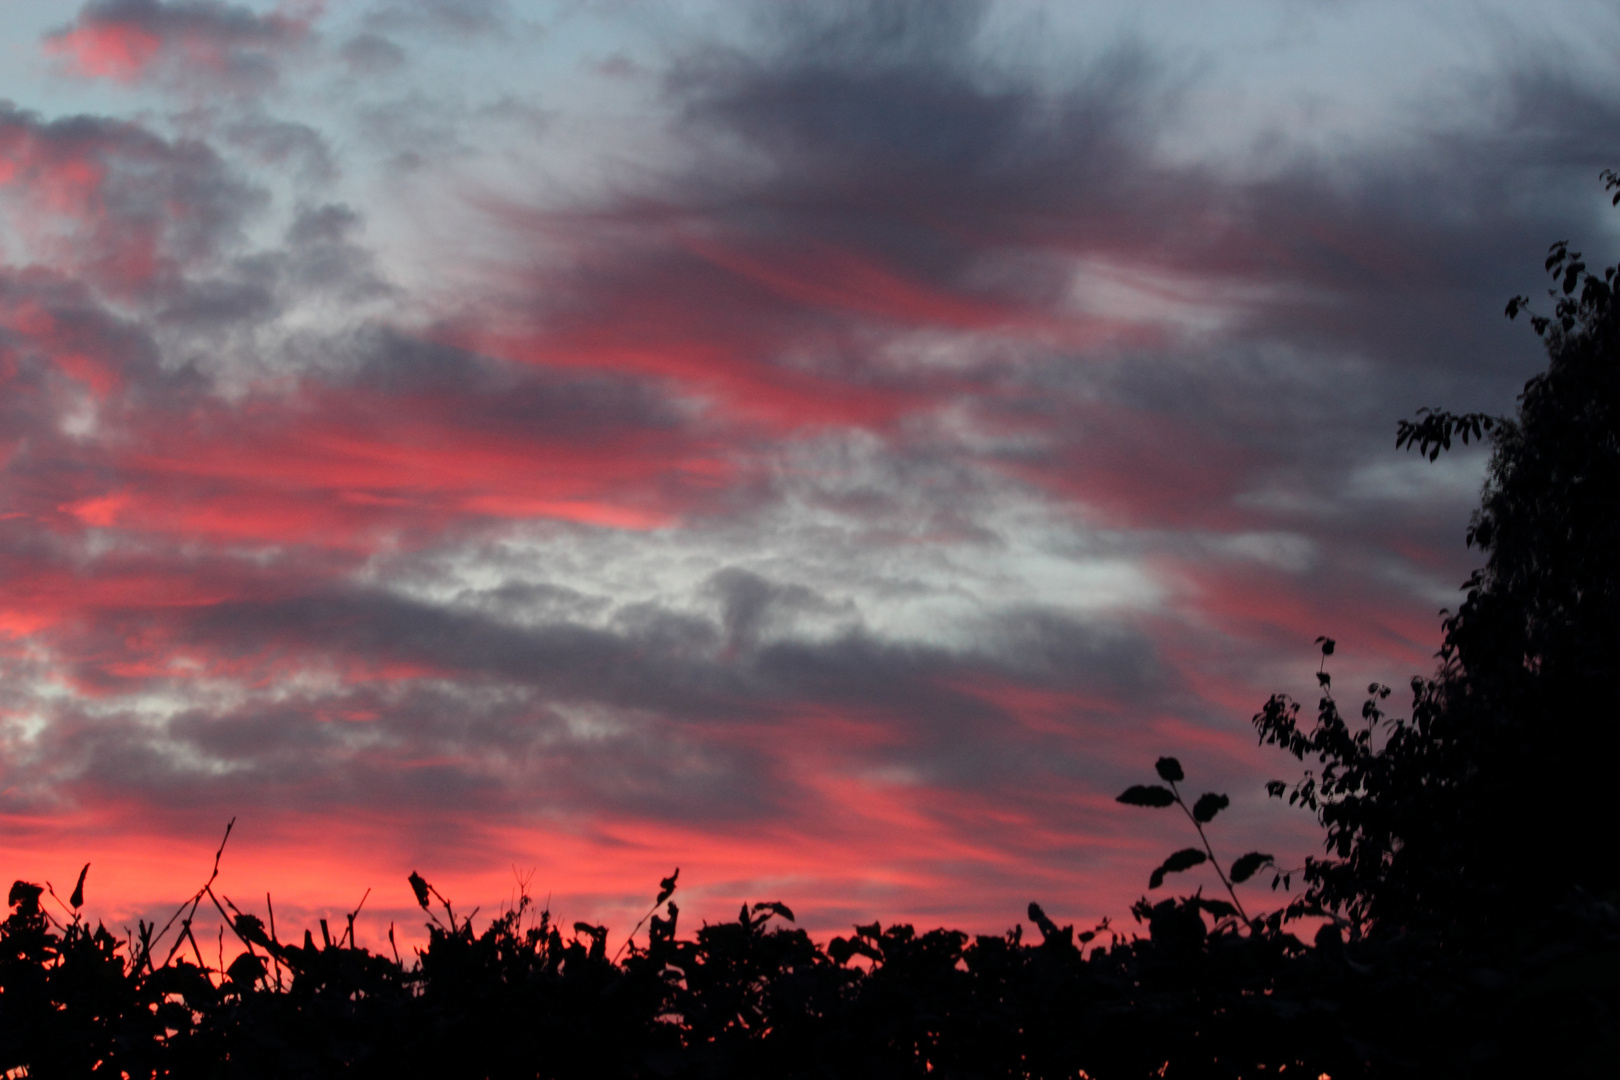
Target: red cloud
215 580
131 41
40 596
111 204
335 465
777 333
733 373
820 276
1135 469
107 49
347 468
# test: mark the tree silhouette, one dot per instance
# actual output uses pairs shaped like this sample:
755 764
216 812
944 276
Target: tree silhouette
1488 799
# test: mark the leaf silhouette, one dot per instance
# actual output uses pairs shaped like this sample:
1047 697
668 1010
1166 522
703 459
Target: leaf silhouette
245 970
1146 795
1247 865
1184 859
775 907
666 887
1040 919
1169 769
1208 805
251 929
24 897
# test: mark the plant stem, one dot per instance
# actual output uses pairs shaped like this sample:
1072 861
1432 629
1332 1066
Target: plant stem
1211 852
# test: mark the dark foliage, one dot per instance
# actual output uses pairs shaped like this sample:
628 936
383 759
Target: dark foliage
1488 798
1206 989
753 998
1465 910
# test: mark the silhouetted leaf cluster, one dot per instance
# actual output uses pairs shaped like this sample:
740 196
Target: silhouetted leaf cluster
1202 988
1483 800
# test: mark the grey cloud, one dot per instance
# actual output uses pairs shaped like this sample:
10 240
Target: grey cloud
301 148
874 34
1051 647
142 179
41 470
464 390
418 751
418 755
165 227
230 314
525 603
662 683
245 299
1366 286
467 18
372 54
325 259
751 604
329 224
417 130
199 42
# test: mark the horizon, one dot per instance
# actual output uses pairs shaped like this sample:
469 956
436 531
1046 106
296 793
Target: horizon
831 449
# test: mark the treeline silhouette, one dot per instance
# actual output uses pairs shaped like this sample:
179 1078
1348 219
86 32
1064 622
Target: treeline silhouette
1464 905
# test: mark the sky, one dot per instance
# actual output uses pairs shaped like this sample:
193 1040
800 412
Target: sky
832 448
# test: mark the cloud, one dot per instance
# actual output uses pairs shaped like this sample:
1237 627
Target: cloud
348 694
849 490
284 143
355 464
182 44
372 54
464 18
750 605
114 205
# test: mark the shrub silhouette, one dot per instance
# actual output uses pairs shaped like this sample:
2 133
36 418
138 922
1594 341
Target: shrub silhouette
1466 900
1484 800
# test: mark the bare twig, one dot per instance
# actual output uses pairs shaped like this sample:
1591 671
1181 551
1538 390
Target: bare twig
666 890
196 950
195 902
352 915
274 959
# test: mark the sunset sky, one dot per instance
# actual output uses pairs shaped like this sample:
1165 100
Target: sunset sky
832 448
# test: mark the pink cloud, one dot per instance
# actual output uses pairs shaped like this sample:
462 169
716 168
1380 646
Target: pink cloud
106 49
330 466
1133 468
112 205
297 602
134 41
308 472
